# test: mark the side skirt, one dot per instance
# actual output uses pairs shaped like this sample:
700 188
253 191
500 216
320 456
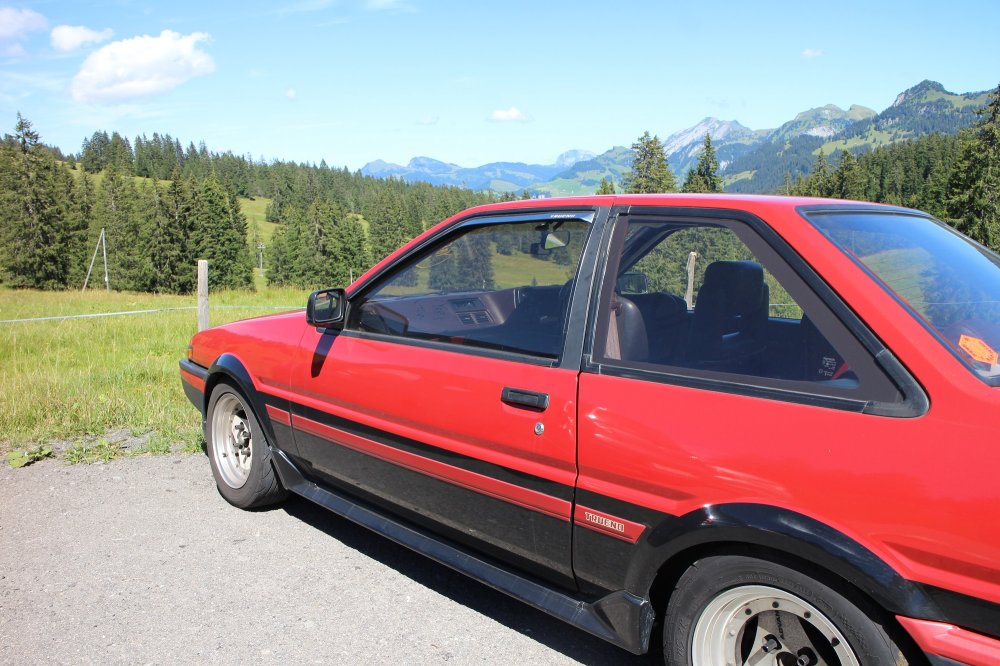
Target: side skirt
620 618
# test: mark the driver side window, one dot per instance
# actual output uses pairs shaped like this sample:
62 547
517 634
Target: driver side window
501 286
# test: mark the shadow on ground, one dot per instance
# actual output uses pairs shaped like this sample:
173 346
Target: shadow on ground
549 631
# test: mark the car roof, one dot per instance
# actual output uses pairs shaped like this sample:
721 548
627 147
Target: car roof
671 200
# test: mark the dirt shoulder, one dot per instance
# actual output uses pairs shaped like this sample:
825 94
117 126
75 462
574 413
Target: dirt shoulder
140 561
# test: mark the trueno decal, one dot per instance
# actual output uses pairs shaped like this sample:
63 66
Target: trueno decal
619 528
604 521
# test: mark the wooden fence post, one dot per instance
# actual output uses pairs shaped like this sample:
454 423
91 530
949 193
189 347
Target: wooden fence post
202 294
689 292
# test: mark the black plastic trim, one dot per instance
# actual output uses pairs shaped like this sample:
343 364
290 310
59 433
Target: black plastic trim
621 618
915 401
943 661
473 350
804 537
524 398
965 611
195 395
475 219
231 368
753 390
572 337
587 281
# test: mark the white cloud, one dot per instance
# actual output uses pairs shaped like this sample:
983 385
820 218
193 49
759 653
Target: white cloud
811 53
428 120
513 114
291 93
16 23
72 37
141 67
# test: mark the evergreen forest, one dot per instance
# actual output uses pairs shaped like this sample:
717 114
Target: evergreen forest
159 206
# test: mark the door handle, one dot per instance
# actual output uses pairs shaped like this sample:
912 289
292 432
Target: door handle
522 398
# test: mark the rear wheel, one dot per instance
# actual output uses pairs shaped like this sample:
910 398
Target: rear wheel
742 611
239 454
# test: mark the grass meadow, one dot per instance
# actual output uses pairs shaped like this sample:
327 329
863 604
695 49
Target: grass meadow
68 379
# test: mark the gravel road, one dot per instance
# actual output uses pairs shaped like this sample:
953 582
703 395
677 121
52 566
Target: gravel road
141 561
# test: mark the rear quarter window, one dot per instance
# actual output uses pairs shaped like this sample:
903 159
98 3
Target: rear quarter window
946 281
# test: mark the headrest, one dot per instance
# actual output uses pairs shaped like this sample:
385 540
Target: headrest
742 282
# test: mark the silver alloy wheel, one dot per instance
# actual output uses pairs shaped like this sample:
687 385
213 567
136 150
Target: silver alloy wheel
757 625
232 442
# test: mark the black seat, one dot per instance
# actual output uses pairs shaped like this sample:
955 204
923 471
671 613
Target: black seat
667 325
626 332
730 317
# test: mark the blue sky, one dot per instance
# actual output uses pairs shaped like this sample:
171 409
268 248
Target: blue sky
351 81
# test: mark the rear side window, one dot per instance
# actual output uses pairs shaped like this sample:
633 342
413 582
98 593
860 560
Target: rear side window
711 301
948 282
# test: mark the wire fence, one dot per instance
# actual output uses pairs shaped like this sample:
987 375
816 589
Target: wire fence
93 315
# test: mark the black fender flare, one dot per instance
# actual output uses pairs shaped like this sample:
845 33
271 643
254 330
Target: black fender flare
230 369
784 531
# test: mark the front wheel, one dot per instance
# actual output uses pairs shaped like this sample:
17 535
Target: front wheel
743 611
239 454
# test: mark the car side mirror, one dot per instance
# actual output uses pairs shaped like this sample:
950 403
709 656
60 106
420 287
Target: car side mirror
326 307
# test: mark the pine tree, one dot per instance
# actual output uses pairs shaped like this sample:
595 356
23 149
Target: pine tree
649 173
80 197
607 186
385 224
177 201
705 176
849 178
355 256
818 182
173 267
974 187
281 257
37 232
119 214
220 234
94 154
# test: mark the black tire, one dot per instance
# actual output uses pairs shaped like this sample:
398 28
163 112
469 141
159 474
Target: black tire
238 452
725 609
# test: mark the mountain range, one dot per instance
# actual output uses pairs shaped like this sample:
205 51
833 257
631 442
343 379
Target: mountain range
750 160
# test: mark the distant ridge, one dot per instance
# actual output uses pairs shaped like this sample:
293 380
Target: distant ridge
750 160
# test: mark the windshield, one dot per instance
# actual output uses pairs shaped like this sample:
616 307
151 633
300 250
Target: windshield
951 284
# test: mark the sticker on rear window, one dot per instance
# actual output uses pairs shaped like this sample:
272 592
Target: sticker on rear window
978 350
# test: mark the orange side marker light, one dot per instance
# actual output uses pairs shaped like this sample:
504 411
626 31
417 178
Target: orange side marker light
978 350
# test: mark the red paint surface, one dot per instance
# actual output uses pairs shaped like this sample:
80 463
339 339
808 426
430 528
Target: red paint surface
949 641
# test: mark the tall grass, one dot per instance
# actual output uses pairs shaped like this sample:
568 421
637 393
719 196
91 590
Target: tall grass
71 378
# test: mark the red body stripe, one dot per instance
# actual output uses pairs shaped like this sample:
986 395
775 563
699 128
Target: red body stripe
279 415
193 380
508 492
626 530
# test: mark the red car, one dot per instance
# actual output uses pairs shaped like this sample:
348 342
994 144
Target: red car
767 425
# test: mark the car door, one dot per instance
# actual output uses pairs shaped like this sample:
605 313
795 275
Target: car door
445 398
